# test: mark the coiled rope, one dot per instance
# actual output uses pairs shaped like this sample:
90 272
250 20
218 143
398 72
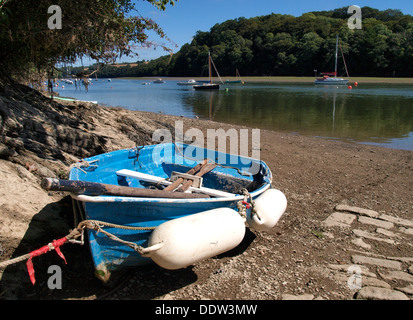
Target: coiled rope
72 238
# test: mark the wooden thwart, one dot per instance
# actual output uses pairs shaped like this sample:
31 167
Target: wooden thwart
205 169
179 181
155 179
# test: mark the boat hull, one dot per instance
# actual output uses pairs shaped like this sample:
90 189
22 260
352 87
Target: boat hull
331 81
111 257
207 86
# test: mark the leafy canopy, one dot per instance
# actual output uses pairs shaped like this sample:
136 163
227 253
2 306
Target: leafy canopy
100 29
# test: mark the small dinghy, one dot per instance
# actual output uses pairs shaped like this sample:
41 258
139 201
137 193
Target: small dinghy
169 204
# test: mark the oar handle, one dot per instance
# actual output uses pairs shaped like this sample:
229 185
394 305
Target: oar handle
96 189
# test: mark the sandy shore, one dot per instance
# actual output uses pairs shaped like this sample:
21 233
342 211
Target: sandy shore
43 138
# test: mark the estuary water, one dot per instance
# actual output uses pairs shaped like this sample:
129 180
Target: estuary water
376 114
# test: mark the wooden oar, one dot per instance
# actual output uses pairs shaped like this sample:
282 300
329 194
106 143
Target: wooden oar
205 169
179 181
96 189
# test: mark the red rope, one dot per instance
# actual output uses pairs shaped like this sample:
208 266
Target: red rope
45 249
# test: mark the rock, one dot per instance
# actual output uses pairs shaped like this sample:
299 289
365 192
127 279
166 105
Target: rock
402 259
360 211
359 242
387 233
299 297
368 235
345 268
408 289
373 282
396 275
395 220
376 293
337 219
377 262
6 152
406 230
376 222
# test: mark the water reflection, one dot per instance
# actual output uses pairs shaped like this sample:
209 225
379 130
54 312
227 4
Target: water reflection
337 113
375 113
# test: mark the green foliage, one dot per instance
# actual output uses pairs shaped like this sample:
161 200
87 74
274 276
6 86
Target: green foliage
100 29
281 45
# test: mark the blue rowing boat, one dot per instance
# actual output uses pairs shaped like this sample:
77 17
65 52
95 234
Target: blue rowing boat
173 232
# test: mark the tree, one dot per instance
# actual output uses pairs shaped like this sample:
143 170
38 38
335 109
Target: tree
100 29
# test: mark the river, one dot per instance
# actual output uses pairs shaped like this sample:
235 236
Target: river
376 114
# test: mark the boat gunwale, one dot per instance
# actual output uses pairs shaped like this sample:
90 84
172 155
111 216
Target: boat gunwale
110 199
113 199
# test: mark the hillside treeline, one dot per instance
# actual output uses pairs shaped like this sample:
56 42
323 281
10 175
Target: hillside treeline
281 45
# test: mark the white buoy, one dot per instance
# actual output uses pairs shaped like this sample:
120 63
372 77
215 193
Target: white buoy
270 206
184 241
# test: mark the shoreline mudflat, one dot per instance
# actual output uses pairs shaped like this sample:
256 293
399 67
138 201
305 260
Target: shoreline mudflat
302 255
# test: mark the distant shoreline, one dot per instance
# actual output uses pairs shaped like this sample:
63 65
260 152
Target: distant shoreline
285 79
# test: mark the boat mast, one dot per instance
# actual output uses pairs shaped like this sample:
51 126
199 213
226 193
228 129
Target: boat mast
335 68
209 61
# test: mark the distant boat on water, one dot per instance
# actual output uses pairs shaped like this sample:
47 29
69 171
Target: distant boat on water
328 78
210 85
237 75
190 82
158 81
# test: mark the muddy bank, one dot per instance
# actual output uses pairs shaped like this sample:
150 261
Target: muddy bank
42 138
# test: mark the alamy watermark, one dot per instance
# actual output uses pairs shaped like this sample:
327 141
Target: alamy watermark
355 280
55 280
354 22
238 146
54 21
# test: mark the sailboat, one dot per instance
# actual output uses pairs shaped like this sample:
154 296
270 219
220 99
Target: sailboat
327 76
237 75
209 85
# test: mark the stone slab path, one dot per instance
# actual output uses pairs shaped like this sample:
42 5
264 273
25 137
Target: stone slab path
373 276
370 275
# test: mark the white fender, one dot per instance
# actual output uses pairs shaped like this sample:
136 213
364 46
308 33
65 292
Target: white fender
196 237
270 206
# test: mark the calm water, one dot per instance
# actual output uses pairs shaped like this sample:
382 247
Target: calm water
378 114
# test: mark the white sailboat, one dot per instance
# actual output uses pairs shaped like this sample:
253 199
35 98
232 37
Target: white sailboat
331 77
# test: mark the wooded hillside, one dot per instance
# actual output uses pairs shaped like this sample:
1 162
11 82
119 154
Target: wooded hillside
281 45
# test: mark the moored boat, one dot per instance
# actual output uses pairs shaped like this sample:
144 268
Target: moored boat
190 82
329 78
171 228
210 85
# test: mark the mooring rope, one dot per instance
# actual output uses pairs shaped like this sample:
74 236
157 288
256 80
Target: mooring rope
72 238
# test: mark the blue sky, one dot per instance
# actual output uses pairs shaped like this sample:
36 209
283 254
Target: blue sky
180 22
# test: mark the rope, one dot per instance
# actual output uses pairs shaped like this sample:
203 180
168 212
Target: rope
84 164
97 226
71 237
243 205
